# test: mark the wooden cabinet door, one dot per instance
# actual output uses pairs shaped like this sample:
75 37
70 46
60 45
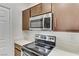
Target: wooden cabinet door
17 50
25 19
66 17
46 7
36 10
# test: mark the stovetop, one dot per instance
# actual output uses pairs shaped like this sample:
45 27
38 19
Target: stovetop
40 49
42 45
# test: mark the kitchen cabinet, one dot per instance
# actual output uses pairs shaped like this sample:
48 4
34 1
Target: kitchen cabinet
66 17
17 50
25 19
46 7
36 10
41 8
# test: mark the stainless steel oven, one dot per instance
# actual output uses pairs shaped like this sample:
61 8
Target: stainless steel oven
41 22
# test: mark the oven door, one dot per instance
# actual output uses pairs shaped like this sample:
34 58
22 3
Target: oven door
28 52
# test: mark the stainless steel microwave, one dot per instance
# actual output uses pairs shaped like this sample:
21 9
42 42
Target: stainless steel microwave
41 22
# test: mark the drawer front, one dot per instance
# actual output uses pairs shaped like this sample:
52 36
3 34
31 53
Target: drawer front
17 46
17 52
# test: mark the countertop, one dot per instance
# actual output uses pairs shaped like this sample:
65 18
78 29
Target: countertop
55 52
59 52
23 42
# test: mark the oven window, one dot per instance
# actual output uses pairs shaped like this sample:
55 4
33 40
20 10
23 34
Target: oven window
36 23
47 22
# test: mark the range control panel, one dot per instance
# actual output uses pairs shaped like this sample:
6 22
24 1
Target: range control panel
45 37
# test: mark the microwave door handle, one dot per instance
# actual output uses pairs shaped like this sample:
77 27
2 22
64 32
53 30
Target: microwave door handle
43 22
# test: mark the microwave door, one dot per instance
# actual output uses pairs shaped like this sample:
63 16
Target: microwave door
36 24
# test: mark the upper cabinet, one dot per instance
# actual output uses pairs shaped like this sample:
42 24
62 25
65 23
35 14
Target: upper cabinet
46 7
25 19
36 10
40 9
66 17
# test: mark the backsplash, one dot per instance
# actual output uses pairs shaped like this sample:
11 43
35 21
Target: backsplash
64 40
